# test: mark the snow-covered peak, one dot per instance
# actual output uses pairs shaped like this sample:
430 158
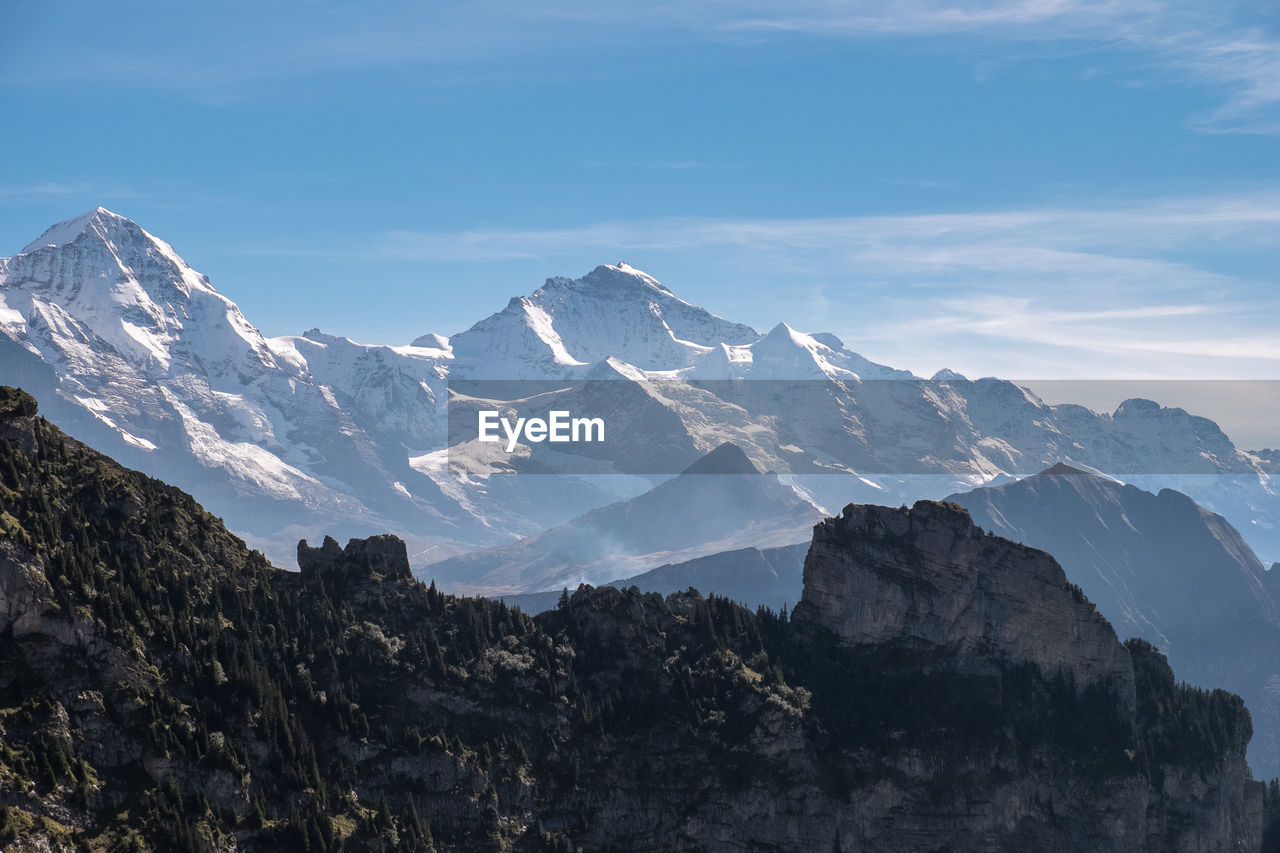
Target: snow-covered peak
101 278
785 353
108 242
621 274
828 340
1149 424
613 283
613 369
431 341
99 220
568 324
619 311
783 336
119 241
1139 407
135 349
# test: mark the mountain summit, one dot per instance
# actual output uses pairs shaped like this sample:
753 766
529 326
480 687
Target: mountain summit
99 219
99 281
728 458
132 349
568 324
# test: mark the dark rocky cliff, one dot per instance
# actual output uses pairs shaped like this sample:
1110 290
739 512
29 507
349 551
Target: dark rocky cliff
928 576
163 688
928 593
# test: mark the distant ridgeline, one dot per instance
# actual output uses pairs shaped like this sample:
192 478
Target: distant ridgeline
164 688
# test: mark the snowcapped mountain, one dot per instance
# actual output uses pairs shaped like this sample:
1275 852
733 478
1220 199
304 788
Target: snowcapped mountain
567 325
129 347
131 350
785 354
619 313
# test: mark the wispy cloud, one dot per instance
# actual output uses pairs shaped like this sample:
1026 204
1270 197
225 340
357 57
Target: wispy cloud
656 165
58 189
1031 337
920 17
1248 65
1210 43
1150 289
241 44
1065 239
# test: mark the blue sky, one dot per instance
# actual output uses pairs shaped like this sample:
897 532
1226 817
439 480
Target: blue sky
1030 188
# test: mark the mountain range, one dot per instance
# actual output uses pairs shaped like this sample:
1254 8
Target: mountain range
288 437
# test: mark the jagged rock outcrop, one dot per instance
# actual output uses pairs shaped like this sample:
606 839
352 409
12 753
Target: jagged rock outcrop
927 575
371 559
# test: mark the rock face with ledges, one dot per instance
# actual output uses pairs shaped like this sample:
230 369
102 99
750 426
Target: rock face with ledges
956 624
928 575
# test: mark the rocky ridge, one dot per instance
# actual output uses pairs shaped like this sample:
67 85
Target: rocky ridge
926 590
164 688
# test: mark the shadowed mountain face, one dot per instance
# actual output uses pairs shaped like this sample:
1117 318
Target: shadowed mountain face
726 460
717 502
1154 563
1159 567
164 689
